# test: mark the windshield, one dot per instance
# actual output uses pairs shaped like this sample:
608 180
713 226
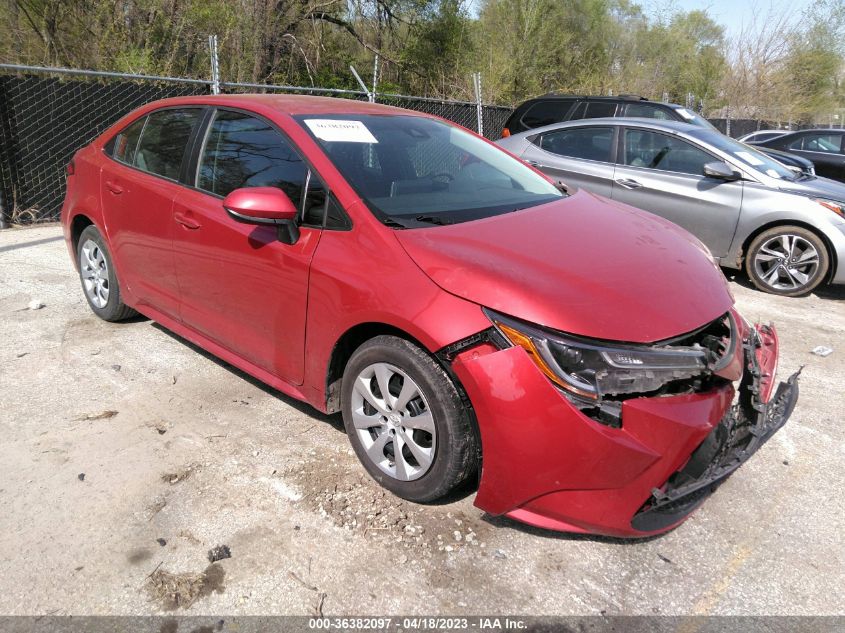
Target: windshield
413 171
749 156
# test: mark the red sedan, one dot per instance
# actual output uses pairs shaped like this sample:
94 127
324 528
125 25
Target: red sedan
473 321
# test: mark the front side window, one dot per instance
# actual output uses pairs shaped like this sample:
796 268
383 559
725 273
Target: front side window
243 151
653 150
126 142
163 141
414 171
590 143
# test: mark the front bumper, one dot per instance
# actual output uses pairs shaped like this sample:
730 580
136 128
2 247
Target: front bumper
547 464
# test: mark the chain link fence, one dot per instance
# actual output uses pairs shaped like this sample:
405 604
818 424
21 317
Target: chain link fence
47 114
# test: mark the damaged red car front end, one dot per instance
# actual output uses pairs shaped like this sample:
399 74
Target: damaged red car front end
637 467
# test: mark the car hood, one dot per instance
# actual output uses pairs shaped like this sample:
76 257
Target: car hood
584 265
786 157
821 187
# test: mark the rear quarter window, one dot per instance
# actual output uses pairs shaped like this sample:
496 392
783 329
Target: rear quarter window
125 143
546 113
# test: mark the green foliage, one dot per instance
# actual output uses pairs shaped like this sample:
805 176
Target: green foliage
431 47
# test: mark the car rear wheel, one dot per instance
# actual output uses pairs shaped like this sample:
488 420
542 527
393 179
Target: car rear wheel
787 260
406 421
99 280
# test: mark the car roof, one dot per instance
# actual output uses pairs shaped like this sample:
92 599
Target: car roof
657 124
287 104
814 130
623 97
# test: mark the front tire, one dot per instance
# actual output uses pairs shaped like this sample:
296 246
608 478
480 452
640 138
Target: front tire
406 421
787 260
98 277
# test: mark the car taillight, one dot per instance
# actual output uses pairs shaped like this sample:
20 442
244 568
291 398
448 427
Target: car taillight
70 169
506 133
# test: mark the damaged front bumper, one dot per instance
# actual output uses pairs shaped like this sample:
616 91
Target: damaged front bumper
548 464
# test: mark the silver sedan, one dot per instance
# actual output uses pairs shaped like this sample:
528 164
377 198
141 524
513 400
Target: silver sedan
785 228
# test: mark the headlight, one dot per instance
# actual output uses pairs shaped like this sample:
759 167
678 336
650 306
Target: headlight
837 207
592 369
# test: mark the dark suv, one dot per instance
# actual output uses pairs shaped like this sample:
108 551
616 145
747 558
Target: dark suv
553 108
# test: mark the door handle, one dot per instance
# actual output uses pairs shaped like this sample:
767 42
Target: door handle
534 163
115 189
629 183
185 221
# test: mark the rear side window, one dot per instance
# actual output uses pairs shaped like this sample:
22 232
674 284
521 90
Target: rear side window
126 142
163 141
598 109
594 110
659 151
243 151
647 111
590 143
546 113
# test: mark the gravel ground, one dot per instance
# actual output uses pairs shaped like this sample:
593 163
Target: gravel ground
128 454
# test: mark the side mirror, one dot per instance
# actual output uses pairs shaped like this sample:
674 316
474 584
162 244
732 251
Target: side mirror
721 171
264 205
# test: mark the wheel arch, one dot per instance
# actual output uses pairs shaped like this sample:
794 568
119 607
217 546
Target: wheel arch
831 251
346 345
79 223
356 336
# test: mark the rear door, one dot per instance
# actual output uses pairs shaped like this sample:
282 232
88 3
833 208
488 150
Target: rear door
664 174
240 286
137 188
579 156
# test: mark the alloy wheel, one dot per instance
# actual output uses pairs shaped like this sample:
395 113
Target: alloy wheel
95 273
393 421
786 262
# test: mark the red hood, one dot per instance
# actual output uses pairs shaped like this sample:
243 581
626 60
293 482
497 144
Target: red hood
584 265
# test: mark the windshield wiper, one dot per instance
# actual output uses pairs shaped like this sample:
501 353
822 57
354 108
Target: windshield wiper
432 219
393 224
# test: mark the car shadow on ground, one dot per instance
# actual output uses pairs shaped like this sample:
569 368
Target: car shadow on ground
334 420
505 523
825 291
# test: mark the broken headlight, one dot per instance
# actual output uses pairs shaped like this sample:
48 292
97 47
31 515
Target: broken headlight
591 369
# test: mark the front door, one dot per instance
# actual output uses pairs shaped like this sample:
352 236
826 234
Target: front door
137 189
825 149
663 174
240 286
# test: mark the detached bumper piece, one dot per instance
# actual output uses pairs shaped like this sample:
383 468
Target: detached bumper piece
747 426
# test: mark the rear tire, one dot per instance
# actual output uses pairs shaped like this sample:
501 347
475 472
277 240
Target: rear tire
422 416
98 277
787 260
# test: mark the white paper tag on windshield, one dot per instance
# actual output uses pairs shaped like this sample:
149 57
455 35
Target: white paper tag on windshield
749 158
337 131
689 116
